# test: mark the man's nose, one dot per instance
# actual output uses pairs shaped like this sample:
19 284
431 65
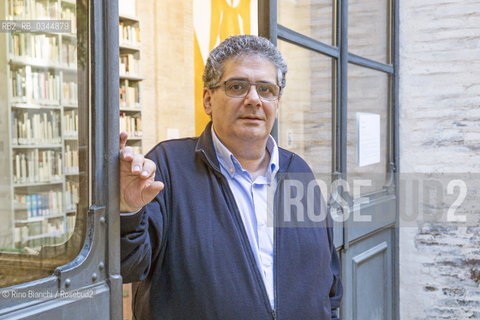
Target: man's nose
252 96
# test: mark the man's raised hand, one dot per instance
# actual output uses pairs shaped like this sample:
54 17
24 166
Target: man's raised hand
137 178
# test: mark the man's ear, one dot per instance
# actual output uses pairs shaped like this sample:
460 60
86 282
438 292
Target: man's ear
207 101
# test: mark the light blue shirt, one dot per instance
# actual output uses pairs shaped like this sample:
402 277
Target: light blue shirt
252 201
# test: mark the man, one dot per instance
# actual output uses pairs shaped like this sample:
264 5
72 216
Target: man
205 246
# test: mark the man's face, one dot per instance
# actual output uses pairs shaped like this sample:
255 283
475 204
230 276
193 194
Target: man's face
248 119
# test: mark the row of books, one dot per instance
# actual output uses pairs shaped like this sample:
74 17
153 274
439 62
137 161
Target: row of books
129 64
70 92
37 128
70 123
69 14
37 166
42 204
129 94
71 195
40 47
69 54
46 232
41 87
132 125
33 9
129 34
71 159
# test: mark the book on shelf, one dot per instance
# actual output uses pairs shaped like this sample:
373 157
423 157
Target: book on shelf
39 127
37 166
54 228
69 54
42 204
131 124
42 87
70 92
68 13
129 94
39 48
70 123
44 48
41 231
33 10
129 64
18 78
21 233
42 10
71 160
129 34
71 196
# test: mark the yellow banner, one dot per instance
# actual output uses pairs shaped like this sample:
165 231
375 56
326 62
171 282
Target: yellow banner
214 21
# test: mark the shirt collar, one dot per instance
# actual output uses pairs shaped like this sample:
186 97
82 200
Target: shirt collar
231 165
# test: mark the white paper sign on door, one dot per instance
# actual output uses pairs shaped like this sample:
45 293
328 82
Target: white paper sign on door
368 138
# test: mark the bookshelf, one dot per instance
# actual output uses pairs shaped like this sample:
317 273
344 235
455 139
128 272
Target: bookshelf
39 135
130 74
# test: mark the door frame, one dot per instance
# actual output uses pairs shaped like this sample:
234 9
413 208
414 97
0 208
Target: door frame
96 269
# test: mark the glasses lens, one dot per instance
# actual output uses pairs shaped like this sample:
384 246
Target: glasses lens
268 91
236 88
239 89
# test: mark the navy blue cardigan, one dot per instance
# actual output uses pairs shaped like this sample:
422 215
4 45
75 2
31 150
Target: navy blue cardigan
189 255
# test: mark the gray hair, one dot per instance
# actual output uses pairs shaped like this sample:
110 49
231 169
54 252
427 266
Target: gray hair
243 45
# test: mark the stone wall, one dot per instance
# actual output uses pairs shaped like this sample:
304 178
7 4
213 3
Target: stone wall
440 133
167 66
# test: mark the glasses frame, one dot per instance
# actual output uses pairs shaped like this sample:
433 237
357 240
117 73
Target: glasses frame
224 85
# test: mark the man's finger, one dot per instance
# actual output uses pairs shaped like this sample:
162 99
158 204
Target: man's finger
149 169
123 139
151 191
126 153
137 163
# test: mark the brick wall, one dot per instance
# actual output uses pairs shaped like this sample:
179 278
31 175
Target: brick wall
440 132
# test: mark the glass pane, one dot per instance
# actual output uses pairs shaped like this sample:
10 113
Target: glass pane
368 29
305 116
312 18
367 134
43 137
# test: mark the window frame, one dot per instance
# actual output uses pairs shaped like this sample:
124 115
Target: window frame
268 27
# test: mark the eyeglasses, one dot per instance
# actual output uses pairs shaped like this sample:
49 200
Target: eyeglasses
240 89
